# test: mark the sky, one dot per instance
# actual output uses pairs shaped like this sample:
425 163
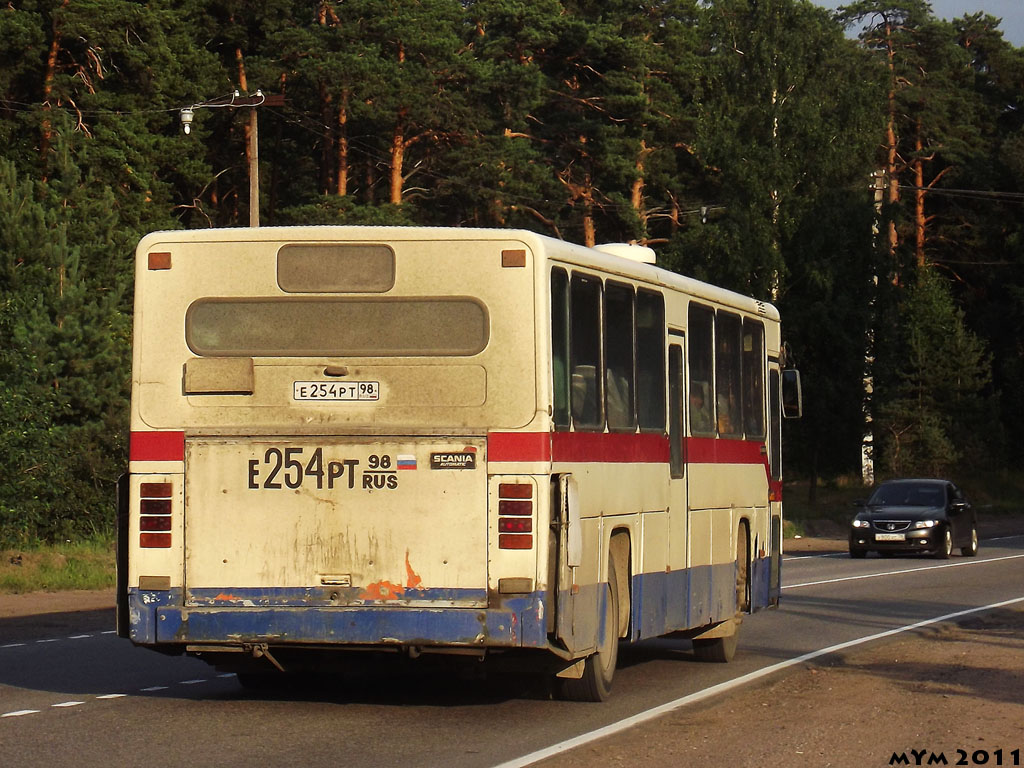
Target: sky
1010 11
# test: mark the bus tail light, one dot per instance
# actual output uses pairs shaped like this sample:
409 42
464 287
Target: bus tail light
515 525
515 516
155 515
515 541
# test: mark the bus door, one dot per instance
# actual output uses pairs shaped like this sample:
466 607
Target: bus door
775 480
678 502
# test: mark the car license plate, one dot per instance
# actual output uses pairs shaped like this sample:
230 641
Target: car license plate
890 537
337 391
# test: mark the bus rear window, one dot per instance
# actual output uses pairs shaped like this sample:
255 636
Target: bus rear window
336 327
336 268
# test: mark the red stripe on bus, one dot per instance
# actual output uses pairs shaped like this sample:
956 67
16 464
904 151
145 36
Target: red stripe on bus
577 446
709 450
612 448
157 446
519 446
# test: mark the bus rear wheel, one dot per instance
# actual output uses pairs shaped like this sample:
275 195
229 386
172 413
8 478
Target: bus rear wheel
721 650
599 667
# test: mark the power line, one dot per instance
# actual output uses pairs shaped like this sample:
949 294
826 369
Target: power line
976 194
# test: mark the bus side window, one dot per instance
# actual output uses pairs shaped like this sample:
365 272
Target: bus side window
727 374
586 381
701 378
560 347
753 378
618 354
650 360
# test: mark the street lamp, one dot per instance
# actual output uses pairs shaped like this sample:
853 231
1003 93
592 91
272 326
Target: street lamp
235 101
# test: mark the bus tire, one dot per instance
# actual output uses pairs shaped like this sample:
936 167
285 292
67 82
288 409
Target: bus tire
721 650
599 667
718 650
743 569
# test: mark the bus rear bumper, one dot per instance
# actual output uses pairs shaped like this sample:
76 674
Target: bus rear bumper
161 619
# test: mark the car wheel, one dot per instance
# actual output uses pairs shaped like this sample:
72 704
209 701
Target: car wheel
858 553
972 548
945 545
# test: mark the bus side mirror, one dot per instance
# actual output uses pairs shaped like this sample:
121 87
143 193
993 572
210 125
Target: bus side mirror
792 394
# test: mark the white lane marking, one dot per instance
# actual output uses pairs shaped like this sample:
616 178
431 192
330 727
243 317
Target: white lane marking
58 639
20 713
154 688
112 696
68 704
846 554
650 714
192 682
228 674
906 570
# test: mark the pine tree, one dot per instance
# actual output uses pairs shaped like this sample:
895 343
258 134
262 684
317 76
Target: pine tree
933 408
63 371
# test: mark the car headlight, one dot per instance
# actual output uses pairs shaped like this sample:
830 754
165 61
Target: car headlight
858 523
926 523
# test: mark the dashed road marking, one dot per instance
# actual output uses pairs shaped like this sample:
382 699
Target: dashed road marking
68 704
20 713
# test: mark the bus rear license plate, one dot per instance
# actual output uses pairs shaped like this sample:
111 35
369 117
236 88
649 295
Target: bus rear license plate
343 391
890 537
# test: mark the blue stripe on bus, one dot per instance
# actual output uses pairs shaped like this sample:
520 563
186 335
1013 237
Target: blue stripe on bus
694 597
159 618
661 603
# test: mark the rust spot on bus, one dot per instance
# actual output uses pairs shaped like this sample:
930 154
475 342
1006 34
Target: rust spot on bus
382 590
385 590
412 579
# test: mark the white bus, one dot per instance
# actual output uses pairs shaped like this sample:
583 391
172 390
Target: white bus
456 441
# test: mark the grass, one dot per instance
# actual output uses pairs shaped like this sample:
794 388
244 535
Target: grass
52 568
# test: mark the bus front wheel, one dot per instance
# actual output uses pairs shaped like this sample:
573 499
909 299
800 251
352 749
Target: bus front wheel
719 650
599 668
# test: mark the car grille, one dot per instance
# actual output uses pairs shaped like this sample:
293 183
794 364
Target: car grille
891 526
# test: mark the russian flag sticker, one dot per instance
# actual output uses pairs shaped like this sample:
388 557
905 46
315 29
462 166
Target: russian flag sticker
406 461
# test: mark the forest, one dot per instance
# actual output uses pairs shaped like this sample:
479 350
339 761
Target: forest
862 169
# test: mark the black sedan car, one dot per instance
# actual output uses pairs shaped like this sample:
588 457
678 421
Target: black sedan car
915 516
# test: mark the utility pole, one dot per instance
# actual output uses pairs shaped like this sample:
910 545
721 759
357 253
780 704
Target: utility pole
235 101
254 168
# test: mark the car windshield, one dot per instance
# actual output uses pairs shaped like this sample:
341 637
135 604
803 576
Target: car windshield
909 495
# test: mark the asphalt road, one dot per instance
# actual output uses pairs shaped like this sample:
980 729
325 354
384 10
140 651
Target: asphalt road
87 698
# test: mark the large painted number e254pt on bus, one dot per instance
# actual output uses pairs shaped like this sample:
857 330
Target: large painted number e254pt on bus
475 442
